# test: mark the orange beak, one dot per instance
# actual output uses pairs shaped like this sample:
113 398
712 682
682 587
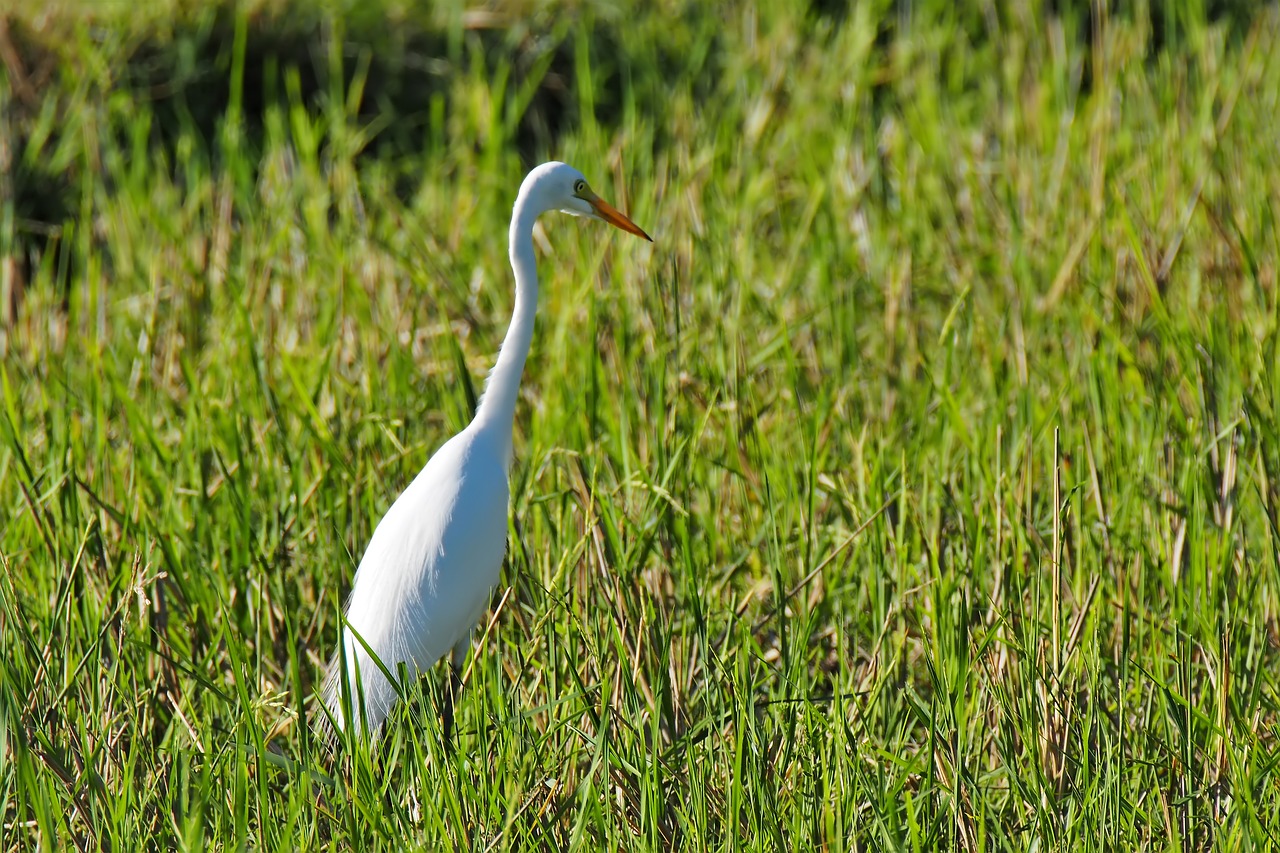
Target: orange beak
610 214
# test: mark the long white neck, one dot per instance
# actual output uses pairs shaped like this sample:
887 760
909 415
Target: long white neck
497 409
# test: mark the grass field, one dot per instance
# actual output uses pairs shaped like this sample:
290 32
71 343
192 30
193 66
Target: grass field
918 488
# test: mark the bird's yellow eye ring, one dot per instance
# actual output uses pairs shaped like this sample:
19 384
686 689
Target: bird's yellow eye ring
579 185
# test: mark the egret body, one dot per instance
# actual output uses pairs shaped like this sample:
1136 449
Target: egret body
434 558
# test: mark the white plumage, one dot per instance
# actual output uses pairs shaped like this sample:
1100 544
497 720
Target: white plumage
434 558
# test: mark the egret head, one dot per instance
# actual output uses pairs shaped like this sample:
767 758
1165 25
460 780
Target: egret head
559 186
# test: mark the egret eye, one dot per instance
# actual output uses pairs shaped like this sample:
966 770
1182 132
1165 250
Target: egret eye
579 185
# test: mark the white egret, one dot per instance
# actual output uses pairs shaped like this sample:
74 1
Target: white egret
434 558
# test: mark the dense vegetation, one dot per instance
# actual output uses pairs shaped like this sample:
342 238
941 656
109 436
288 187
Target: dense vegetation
918 488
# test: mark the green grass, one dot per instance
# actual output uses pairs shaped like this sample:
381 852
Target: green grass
918 488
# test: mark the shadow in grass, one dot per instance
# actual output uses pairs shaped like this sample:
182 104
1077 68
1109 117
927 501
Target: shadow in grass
370 68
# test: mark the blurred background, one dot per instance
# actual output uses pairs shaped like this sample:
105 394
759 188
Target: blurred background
410 81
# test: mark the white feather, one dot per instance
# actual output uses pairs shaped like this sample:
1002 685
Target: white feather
435 556
427 573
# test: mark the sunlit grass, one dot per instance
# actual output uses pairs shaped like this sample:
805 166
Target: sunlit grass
918 488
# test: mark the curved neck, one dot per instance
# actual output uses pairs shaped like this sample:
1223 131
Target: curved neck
497 408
